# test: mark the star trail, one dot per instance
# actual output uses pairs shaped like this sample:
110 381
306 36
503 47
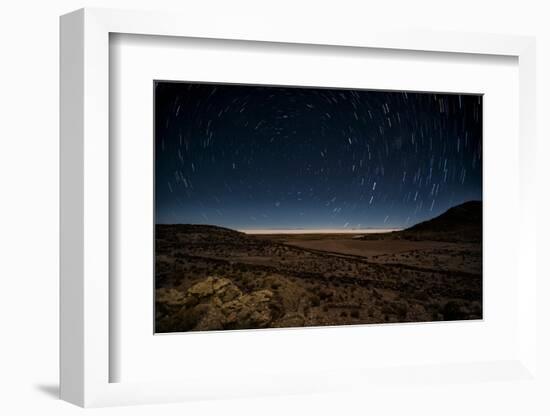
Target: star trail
262 157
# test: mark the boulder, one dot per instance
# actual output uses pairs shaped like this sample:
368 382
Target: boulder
217 303
251 310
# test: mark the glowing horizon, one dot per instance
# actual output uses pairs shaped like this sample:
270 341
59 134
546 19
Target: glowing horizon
317 230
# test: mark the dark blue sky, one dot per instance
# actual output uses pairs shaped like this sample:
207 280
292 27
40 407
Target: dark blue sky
283 157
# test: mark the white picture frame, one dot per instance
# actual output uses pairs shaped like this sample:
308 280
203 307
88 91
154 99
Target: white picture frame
85 221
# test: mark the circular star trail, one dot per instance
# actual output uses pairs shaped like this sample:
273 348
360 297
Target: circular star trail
286 157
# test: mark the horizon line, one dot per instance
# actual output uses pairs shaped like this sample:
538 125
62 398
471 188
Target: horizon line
362 230
317 230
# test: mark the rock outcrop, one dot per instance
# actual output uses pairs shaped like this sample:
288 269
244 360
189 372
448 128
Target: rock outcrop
216 303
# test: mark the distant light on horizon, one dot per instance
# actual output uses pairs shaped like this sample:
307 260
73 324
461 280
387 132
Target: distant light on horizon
318 231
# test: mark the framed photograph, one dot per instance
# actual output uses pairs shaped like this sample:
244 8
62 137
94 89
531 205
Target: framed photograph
268 213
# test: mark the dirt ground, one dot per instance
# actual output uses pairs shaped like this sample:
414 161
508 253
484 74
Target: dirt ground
309 280
435 255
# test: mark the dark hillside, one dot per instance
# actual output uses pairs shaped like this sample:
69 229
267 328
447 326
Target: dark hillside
462 223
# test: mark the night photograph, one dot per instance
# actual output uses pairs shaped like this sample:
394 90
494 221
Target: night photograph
279 206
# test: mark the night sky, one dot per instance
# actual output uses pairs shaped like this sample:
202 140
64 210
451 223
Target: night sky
283 157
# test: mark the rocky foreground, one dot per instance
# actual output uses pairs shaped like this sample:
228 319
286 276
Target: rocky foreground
213 278
216 303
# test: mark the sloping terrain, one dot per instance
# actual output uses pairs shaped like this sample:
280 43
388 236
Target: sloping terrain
462 223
